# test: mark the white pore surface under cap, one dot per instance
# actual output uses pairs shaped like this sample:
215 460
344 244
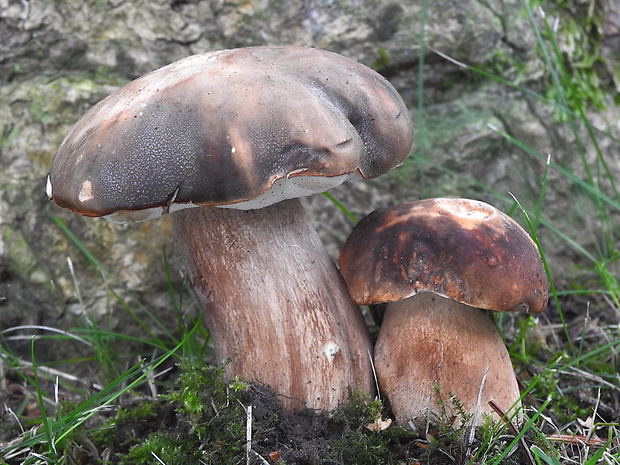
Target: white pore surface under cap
290 187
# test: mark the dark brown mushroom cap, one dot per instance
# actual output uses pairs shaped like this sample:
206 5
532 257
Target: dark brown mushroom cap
462 249
221 128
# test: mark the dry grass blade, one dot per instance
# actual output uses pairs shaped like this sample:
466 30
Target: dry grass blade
577 440
574 371
514 430
52 372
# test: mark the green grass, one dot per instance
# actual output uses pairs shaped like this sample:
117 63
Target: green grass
569 367
54 436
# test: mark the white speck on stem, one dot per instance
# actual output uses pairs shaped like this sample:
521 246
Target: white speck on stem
330 349
441 355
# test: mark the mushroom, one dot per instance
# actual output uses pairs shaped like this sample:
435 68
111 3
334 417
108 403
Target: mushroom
439 262
249 130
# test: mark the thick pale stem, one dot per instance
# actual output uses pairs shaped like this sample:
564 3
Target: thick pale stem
430 348
275 304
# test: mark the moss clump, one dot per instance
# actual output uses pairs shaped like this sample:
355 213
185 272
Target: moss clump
205 421
132 426
165 448
202 421
382 60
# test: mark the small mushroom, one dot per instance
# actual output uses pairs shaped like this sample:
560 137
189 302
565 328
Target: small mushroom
439 262
249 130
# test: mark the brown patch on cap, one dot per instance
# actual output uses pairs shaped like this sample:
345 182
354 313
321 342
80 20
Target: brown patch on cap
458 248
222 127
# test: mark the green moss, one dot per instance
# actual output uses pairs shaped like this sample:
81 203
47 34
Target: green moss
507 65
382 60
203 420
19 257
50 101
583 80
361 445
164 448
131 426
7 134
363 448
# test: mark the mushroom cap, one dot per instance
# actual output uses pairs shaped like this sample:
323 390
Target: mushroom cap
244 128
462 249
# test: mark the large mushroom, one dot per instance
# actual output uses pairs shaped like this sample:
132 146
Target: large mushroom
250 130
438 263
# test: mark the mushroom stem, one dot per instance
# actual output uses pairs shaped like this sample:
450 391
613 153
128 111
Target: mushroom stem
431 349
277 308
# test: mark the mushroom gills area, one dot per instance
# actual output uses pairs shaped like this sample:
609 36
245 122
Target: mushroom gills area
431 348
276 306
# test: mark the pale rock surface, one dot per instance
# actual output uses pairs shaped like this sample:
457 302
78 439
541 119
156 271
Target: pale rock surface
59 58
